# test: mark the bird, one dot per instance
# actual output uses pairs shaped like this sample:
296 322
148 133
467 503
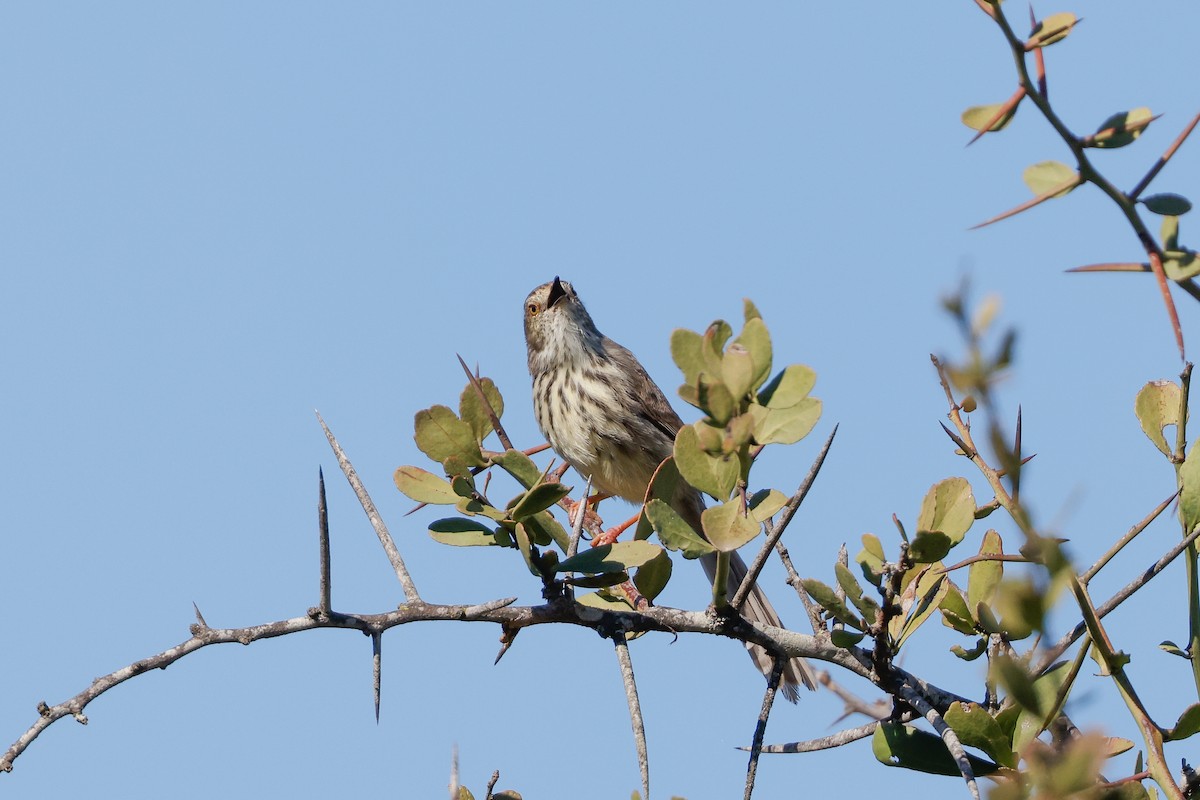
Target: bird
604 415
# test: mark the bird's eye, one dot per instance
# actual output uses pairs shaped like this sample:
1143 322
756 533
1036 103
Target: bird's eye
532 309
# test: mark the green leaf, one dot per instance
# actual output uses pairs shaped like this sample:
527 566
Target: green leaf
1053 28
789 387
785 425
737 371
663 486
520 466
674 532
1180 265
539 498
470 506
854 593
715 337
765 503
976 117
844 638
738 433
615 557
871 558
1187 725
984 576
929 547
472 410
600 581
955 613
1013 676
919 600
710 437
1047 175
458 469
1169 233
757 341
727 527
970 655
687 350
713 475
1170 647
440 434
716 400
1022 608
825 597
468 533
1189 494
897 745
1167 204
424 487
527 549
544 528
604 602
977 728
1122 128
948 507
1157 406
1037 715
652 577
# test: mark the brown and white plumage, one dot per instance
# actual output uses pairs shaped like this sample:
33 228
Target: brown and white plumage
602 413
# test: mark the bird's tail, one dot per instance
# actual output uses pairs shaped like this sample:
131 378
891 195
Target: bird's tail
758 608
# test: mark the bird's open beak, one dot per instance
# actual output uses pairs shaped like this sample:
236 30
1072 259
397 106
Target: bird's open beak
557 292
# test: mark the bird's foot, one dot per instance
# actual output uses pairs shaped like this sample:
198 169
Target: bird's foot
610 535
591 520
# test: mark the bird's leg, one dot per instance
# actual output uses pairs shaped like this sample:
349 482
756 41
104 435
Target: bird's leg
591 520
610 535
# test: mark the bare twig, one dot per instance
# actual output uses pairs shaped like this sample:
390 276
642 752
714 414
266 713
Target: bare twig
833 740
385 538
949 737
577 523
501 612
1126 539
794 580
760 727
492 784
1053 654
776 530
880 709
635 709
966 562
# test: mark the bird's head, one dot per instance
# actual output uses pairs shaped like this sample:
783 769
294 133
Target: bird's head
558 329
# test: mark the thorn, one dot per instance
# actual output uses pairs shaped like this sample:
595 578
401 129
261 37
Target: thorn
1113 266
1008 107
506 640
968 452
1049 194
493 417
1162 161
1016 475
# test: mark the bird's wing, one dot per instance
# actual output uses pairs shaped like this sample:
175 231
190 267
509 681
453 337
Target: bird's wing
652 405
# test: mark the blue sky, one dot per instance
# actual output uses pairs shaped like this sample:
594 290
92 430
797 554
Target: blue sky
221 216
